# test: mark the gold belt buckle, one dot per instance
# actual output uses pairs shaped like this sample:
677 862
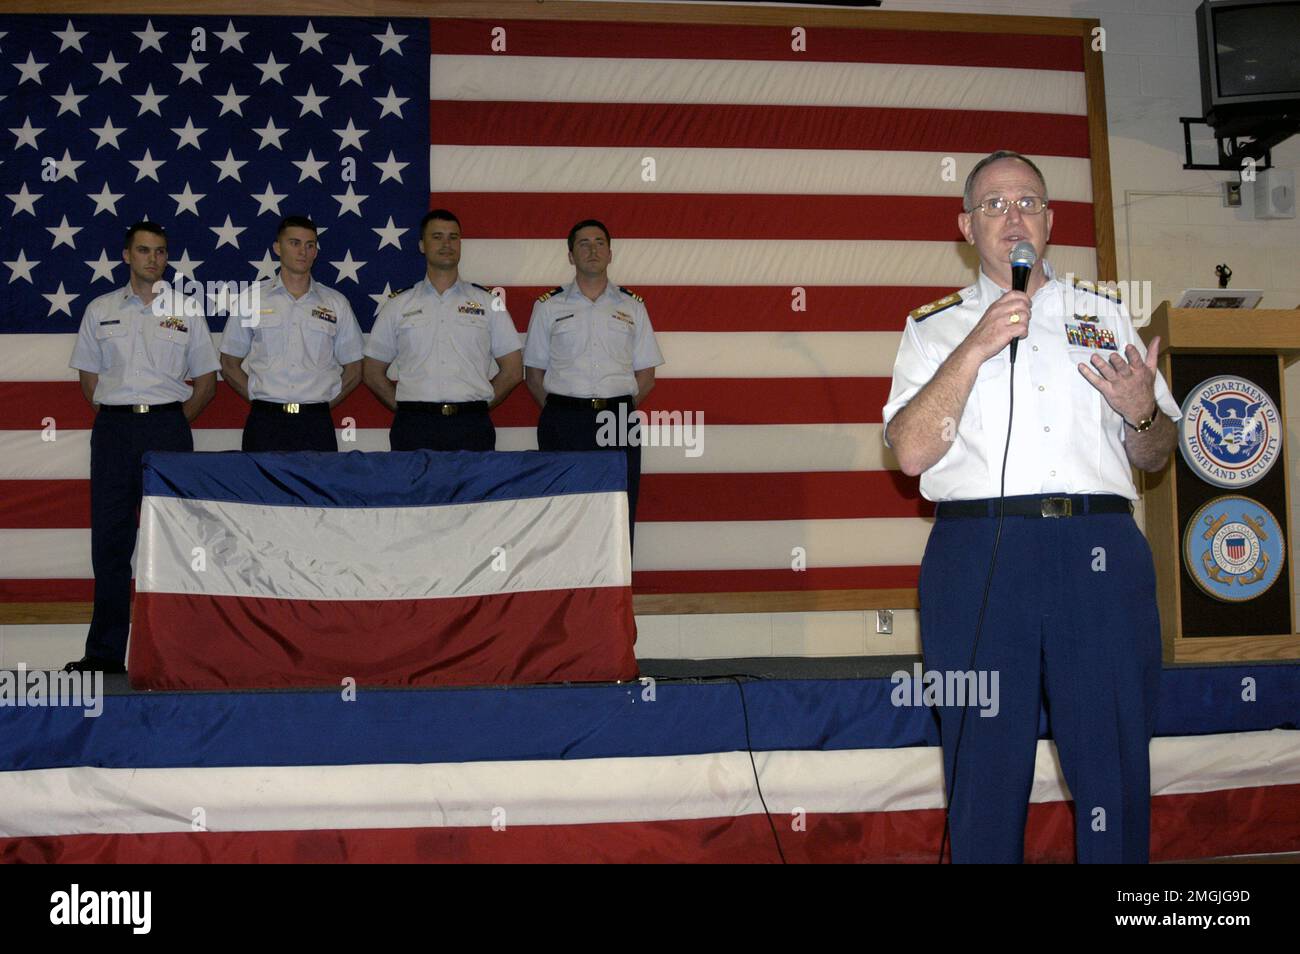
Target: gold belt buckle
292 408
139 408
448 410
1056 507
599 404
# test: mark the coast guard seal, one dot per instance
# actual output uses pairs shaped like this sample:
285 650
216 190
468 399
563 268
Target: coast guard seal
1230 433
1233 548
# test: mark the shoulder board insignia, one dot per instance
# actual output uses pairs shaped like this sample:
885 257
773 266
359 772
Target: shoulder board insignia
631 294
925 311
397 291
554 291
481 287
1101 291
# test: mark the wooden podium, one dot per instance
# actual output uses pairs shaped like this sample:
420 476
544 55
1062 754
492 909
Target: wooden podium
1198 344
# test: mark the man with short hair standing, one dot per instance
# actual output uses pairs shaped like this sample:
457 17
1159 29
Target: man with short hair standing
590 349
1069 611
134 350
444 334
303 351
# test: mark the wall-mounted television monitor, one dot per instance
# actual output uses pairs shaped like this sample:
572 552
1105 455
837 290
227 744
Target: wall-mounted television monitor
1250 59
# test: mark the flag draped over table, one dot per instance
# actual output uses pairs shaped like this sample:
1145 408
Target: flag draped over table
780 210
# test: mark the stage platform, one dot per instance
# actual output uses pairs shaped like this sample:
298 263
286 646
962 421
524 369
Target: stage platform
662 769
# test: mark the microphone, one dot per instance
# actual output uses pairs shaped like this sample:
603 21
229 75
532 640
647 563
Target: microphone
1023 257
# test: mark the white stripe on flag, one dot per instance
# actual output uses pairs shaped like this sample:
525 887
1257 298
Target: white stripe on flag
497 78
84 799
779 262
383 553
727 448
722 171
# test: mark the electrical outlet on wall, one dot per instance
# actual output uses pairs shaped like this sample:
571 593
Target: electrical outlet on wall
1232 195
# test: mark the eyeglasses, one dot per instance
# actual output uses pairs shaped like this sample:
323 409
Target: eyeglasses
1029 205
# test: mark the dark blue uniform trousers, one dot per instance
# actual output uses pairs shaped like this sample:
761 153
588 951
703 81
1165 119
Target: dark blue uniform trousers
270 428
118 441
565 427
422 429
1056 625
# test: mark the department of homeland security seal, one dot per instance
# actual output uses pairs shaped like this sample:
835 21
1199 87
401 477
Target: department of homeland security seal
1233 548
1231 432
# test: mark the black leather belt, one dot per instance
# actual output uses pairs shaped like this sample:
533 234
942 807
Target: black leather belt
292 408
445 410
591 404
139 408
1033 505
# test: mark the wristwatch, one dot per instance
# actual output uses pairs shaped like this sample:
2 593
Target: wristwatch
1146 422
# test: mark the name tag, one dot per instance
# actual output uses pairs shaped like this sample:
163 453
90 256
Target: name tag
409 314
111 321
564 318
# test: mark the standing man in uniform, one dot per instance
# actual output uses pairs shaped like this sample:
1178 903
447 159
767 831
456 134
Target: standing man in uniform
590 349
304 352
134 351
1071 610
444 334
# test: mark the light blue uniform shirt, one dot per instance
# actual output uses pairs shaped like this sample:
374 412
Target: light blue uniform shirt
141 357
444 345
298 346
591 349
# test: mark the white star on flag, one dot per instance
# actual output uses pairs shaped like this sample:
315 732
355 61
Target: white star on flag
351 71
270 134
390 234
230 102
69 102
185 265
311 39
187 200
391 168
271 70
190 70
71 39
265 268
149 38
310 167
108 133
149 101
146 167
268 201
389 41
229 166
189 134
27 134
67 166
311 103
21 268
31 70
350 136
110 69
350 201
24 201
63 233
348 268
59 301
392 104
103 268
230 38
106 201
227 234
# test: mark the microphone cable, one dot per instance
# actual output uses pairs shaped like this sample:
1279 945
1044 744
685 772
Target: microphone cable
984 603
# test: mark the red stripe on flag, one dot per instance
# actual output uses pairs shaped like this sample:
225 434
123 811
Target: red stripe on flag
587 40
723 401
655 582
578 635
1183 827
534 215
44 504
47 591
814 496
762 307
734 126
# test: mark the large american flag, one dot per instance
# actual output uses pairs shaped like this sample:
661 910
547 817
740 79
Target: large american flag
780 201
